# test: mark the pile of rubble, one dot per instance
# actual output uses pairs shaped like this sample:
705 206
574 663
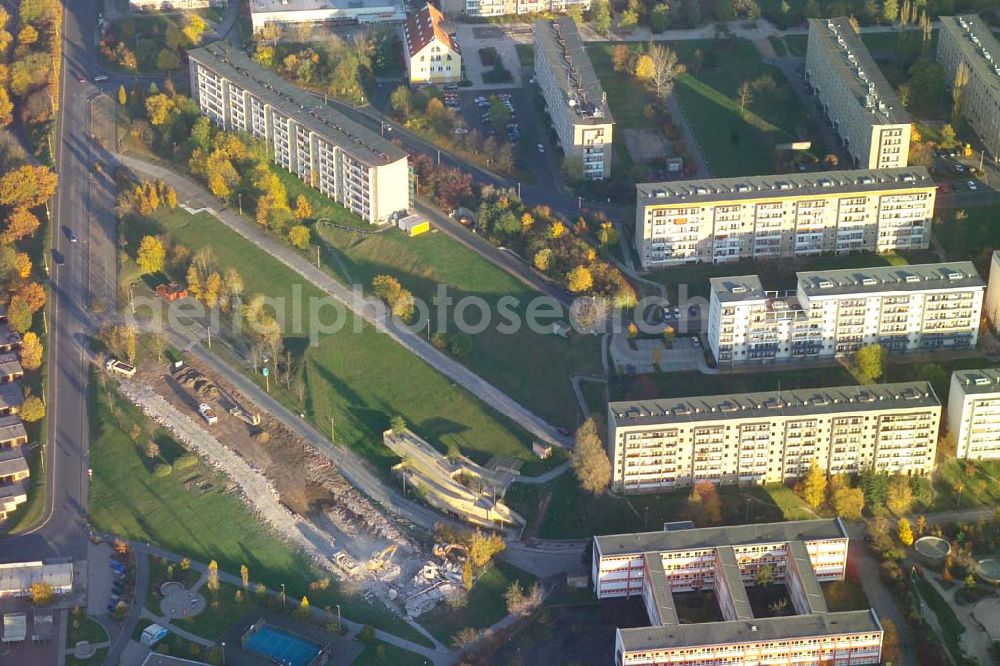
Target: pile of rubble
436 581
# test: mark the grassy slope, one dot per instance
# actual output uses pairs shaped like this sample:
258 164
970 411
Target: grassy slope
126 499
486 604
359 380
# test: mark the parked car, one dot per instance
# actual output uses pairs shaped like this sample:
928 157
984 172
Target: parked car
461 130
540 147
101 77
972 185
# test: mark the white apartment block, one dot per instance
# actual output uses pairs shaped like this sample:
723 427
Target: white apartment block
574 97
345 161
801 555
968 40
485 8
767 217
974 413
860 103
334 12
772 437
916 308
172 5
992 306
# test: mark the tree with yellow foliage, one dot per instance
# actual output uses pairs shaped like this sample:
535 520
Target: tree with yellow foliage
298 236
579 280
644 67
905 532
151 255
527 221
22 265
543 259
557 229
814 485
31 351
21 223
27 186
302 208
33 409
158 108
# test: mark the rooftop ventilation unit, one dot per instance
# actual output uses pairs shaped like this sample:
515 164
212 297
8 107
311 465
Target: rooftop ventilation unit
824 284
869 282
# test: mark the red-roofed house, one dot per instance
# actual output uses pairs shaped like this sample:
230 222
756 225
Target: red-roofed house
432 56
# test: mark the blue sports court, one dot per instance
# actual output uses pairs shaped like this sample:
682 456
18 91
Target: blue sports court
284 648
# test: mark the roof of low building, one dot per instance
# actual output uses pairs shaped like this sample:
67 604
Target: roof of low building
733 580
12 462
665 412
659 586
423 27
235 65
11 428
738 288
11 395
19 576
10 365
802 565
747 188
291 6
752 631
880 279
713 537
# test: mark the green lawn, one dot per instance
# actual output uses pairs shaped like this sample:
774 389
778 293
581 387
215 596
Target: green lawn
126 499
951 626
359 380
845 595
221 613
575 514
534 368
778 45
486 604
963 483
735 145
797 44
526 53
379 653
970 234
79 627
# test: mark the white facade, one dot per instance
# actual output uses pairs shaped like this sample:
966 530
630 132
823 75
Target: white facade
801 554
16 578
345 161
432 56
992 305
657 445
861 104
170 5
766 217
486 8
974 413
288 12
926 307
573 96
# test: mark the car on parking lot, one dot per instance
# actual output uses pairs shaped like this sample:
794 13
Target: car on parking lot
958 168
451 86
972 185
676 312
693 310
101 77
696 342
81 78
461 130
540 147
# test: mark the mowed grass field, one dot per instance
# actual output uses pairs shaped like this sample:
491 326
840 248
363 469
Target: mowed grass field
532 367
733 143
359 380
191 511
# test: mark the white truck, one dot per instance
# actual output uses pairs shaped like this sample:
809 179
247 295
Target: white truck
208 413
120 367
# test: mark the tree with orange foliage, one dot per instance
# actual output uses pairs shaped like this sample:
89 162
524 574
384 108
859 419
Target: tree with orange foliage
27 186
22 265
32 294
21 223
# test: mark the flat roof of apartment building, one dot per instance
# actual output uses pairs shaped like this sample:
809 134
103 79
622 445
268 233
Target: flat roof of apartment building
766 404
844 51
663 598
978 44
235 65
737 288
823 183
879 279
572 70
811 589
749 631
713 537
978 380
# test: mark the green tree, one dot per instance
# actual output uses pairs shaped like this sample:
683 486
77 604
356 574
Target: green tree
890 11
601 17
814 485
627 20
401 101
590 461
397 424
764 575
870 361
659 18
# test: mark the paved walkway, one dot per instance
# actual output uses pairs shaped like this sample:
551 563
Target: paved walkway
370 310
440 656
975 641
167 623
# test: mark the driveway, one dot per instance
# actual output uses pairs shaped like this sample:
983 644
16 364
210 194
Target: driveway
475 36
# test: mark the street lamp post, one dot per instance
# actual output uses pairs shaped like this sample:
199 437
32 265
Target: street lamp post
239 195
223 653
340 629
282 597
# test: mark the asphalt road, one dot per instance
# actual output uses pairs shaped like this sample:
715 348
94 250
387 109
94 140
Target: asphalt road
60 533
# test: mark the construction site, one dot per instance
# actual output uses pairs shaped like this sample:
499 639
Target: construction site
297 490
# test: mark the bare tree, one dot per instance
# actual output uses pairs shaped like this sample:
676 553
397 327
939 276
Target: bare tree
745 97
665 69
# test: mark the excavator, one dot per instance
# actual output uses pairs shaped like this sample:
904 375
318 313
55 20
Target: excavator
444 551
381 558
